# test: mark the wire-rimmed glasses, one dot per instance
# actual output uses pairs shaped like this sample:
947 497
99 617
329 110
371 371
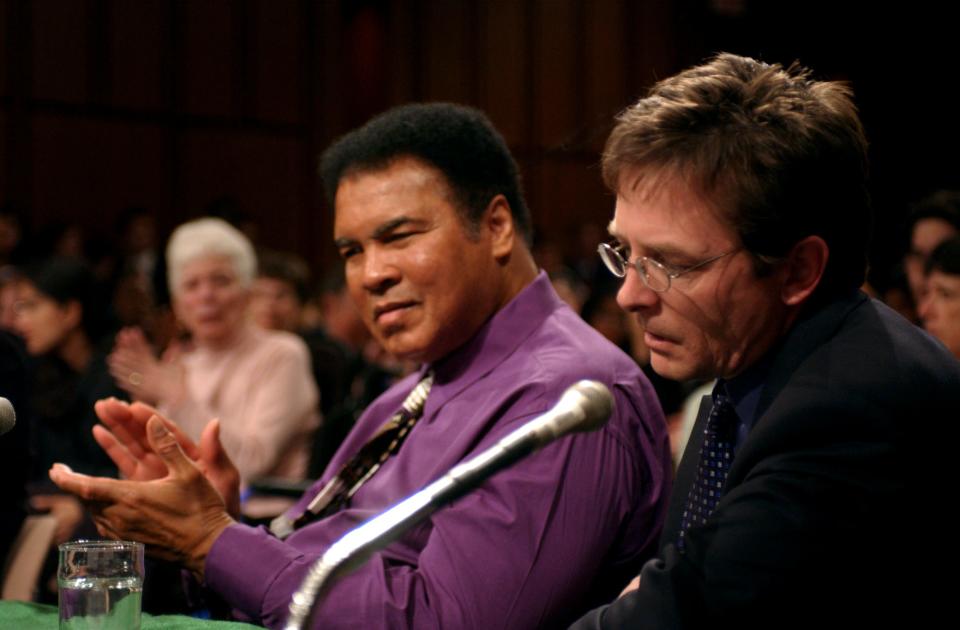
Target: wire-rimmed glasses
655 275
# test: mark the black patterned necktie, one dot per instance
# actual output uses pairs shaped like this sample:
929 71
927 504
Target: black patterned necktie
338 491
716 455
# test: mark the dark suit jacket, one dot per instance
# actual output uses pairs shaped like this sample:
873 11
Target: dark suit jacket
834 510
14 446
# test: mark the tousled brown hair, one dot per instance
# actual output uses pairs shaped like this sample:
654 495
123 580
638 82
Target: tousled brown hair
782 155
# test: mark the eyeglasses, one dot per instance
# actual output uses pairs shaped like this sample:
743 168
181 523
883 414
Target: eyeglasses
655 275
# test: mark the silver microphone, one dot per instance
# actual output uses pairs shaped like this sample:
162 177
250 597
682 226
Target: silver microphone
584 406
8 416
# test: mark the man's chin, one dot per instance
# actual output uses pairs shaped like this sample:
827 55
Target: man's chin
671 368
401 347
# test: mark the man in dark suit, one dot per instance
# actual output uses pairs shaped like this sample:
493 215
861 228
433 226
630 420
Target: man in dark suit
813 490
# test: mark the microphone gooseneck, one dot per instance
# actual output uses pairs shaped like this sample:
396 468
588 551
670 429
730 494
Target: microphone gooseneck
584 406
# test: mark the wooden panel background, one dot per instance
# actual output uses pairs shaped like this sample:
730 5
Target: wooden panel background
172 104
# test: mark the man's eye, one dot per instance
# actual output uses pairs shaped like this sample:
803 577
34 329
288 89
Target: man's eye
397 236
671 264
349 252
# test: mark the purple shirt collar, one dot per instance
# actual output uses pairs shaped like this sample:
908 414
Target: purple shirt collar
496 340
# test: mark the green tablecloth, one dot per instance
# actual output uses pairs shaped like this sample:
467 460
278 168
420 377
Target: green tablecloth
24 616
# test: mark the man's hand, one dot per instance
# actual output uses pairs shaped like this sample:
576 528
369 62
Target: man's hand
178 516
124 438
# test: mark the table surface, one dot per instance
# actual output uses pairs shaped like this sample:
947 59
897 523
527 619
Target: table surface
41 616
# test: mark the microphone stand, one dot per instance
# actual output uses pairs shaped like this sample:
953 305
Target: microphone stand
356 546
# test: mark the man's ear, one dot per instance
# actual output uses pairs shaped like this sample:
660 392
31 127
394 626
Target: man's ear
498 219
803 269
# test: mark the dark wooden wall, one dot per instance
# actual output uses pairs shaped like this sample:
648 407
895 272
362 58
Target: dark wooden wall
172 104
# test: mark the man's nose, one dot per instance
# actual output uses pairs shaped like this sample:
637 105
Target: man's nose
634 294
379 271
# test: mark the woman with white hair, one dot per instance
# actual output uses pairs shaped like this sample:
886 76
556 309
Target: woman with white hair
257 382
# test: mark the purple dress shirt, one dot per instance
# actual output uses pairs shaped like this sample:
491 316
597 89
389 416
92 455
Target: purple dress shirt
536 545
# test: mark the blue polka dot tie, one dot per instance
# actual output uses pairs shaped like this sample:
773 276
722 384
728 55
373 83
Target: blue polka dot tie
716 455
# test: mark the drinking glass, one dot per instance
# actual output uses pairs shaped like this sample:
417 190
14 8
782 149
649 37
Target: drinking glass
100 584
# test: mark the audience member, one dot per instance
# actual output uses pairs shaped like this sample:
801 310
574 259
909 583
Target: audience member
371 370
932 220
346 382
11 236
940 308
257 382
279 291
569 287
62 323
9 277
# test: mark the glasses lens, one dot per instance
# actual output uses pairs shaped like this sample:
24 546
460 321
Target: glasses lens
656 275
612 259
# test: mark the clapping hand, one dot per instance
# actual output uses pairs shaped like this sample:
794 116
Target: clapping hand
178 516
138 372
124 438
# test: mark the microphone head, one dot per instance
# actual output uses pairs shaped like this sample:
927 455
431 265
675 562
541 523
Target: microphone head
8 417
597 404
584 406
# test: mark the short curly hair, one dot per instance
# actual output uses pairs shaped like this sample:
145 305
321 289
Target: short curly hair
458 141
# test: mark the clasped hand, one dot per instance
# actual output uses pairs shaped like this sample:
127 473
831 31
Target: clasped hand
176 496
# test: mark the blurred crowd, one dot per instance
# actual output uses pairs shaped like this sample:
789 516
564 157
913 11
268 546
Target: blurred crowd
206 325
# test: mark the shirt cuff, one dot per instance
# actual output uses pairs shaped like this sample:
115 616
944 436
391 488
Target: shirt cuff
243 565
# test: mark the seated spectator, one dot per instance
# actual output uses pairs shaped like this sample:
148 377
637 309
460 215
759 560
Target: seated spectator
370 370
12 247
277 302
57 316
932 220
9 275
279 291
257 382
940 309
569 287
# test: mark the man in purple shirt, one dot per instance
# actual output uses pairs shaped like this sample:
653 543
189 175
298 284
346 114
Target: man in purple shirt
434 232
